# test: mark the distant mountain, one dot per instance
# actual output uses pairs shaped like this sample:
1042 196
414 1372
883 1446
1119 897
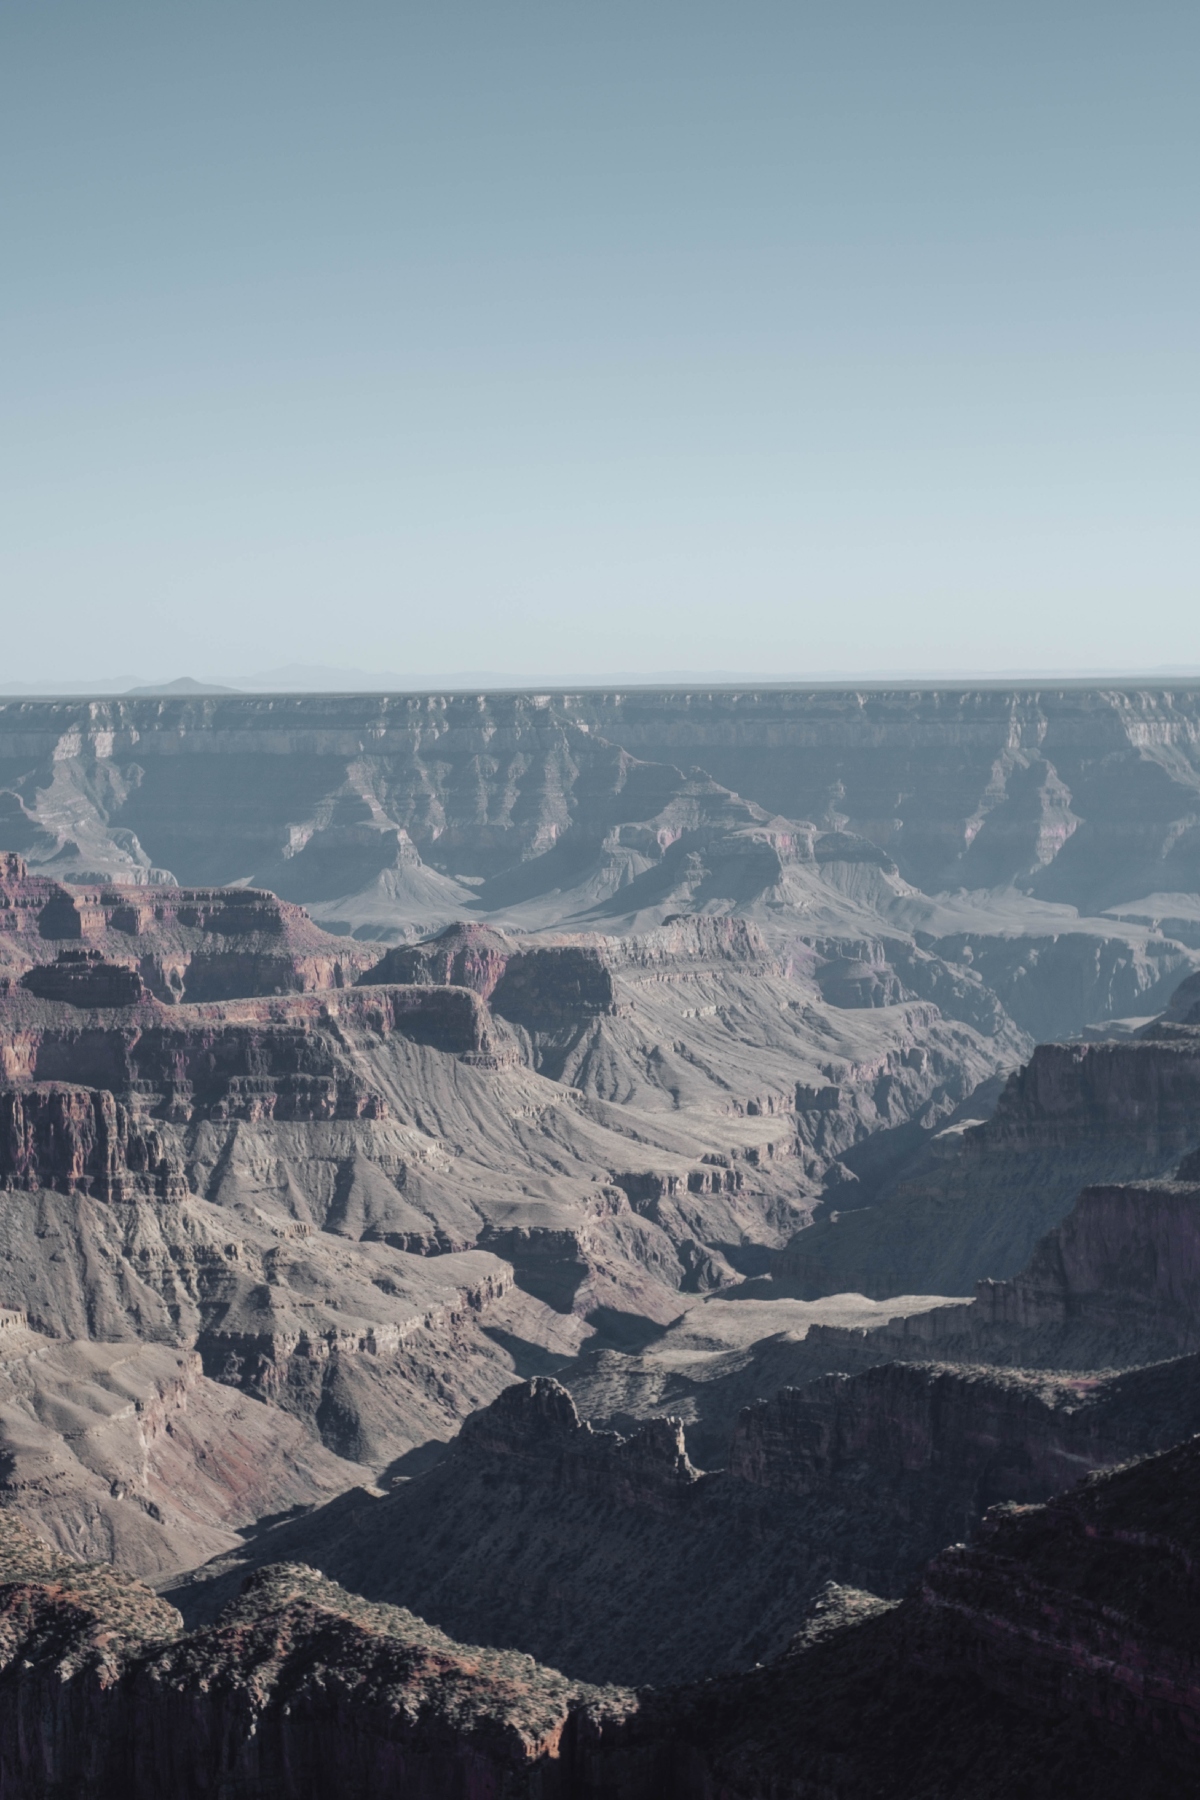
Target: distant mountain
184 685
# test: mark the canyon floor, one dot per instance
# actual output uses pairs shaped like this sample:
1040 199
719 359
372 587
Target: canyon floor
600 1245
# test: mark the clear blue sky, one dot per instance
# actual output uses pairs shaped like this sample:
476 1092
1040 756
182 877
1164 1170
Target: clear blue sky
554 338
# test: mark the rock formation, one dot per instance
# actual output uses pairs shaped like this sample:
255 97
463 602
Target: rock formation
126 1453
365 1206
1056 1655
177 943
575 1545
81 1141
1117 1283
680 1046
849 819
982 1195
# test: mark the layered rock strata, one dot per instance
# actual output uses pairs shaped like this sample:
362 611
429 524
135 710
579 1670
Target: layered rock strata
1114 1286
82 1141
177 943
300 1690
126 1453
576 1545
1074 1115
1055 1656
826 814
1077 792
1118 1282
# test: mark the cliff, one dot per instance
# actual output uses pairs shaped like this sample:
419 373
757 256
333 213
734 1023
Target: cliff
1055 1656
1075 790
825 813
581 1546
158 1464
1074 1115
82 1141
176 943
955 1440
300 1690
285 1059
1118 1282
541 988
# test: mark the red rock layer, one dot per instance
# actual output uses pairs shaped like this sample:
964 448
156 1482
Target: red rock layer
80 1140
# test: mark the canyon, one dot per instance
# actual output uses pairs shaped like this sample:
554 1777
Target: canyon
493 1185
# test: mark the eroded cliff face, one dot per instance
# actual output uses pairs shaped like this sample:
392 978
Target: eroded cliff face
157 1465
1118 1282
175 943
1058 1651
834 815
300 1690
81 1141
1057 1654
249 1059
954 1440
676 1132
576 1544
331 1197
364 1208
1076 791
284 1213
1074 1115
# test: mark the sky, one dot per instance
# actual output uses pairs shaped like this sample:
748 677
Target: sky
552 340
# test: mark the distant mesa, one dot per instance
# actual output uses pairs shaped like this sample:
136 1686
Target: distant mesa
184 685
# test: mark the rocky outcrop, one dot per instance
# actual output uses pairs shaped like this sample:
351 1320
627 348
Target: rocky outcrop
1076 792
1089 1602
157 1465
84 978
300 1690
824 813
538 1419
1058 984
249 1060
1074 1115
559 979
544 987
463 955
82 1141
1056 1655
1118 1282
26 901
306 1366
177 943
956 1439
1184 1008
576 1544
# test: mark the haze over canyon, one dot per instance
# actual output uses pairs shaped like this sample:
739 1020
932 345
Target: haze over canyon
598 1245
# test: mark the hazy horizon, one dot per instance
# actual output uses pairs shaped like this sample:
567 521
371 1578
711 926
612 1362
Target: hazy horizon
316 680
